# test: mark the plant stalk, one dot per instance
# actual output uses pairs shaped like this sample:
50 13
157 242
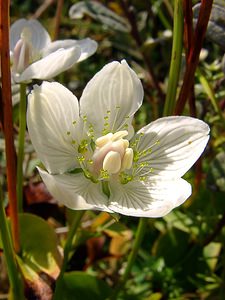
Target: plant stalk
8 121
131 258
21 140
15 280
193 58
175 59
58 295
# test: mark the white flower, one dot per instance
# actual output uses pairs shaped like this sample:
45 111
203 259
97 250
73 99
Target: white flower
92 158
34 56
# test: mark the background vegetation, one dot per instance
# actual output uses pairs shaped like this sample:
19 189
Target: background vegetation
182 255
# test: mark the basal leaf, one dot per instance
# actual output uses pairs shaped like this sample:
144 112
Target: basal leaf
79 285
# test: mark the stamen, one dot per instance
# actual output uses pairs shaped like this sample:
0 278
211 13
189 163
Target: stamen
112 162
103 140
119 135
127 159
82 148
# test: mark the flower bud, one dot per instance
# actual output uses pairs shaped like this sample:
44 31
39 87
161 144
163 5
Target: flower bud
22 52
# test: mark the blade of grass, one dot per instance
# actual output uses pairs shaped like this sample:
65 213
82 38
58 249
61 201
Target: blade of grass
209 92
175 59
15 280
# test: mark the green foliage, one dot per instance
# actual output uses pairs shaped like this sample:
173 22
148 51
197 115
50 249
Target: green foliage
78 285
38 252
182 254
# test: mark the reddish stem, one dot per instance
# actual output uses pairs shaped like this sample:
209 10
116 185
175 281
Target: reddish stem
128 11
193 56
8 121
58 18
188 28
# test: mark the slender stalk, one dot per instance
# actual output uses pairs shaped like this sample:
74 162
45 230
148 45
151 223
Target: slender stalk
188 45
13 274
133 254
8 121
175 59
20 157
73 229
193 58
188 26
58 16
128 11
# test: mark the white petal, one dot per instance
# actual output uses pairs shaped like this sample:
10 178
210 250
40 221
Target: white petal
148 199
52 109
75 191
112 96
172 145
40 37
87 46
51 65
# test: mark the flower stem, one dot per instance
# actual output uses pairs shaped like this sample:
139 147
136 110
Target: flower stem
14 276
8 121
133 254
22 130
73 229
58 16
175 59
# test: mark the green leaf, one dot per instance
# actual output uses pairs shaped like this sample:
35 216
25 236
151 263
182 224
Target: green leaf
79 285
211 253
181 221
39 251
172 242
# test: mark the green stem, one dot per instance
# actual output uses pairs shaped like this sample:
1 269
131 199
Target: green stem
73 229
175 59
132 256
22 130
14 276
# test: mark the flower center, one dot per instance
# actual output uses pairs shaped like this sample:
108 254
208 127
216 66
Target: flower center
112 154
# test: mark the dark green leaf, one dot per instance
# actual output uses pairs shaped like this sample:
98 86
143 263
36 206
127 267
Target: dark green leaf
79 285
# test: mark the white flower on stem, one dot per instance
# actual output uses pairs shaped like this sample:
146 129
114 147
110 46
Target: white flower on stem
34 56
94 160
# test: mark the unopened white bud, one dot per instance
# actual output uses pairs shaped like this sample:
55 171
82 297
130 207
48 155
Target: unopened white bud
22 52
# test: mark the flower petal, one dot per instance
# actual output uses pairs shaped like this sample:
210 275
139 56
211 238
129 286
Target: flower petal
52 110
111 98
39 36
148 199
87 46
170 146
51 65
75 191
